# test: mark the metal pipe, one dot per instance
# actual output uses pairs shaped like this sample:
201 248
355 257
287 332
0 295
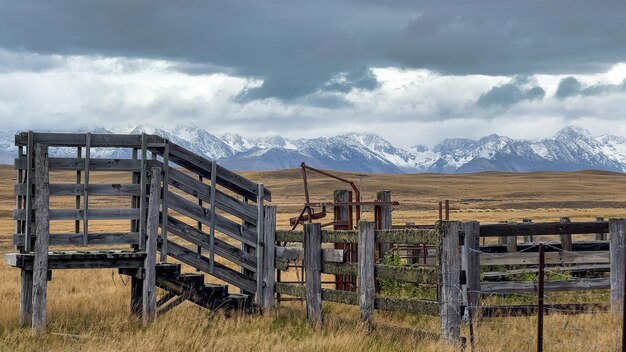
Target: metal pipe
540 302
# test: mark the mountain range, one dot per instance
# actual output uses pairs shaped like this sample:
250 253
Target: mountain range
570 149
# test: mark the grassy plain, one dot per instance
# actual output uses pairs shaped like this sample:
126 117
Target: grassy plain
94 303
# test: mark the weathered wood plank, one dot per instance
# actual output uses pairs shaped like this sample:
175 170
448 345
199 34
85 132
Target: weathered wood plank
418 275
77 214
86 189
165 210
384 217
142 198
538 229
405 236
222 224
297 253
152 230
75 239
313 269
617 230
504 275
58 164
28 216
42 231
561 285
268 269
26 298
450 291
552 258
222 249
80 260
60 189
470 262
192 258
260 245
78 140
366 279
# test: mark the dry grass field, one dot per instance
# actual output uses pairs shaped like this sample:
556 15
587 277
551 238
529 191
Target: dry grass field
94 303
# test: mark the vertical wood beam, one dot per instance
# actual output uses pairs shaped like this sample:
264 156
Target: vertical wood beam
470 262
86 190
26 298
29 194
600 236
528 238
617 231
166 180
260 244
142 197
384 218
367 261
136 296
450 296
269 239
79 180
42 232
566 240
313 269
342 213
152 229
212 220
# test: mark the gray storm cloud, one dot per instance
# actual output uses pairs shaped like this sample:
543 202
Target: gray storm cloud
299 47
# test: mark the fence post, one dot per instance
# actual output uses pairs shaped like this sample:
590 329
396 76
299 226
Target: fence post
600 236
470 262
450 296
342 213
528 238
152 230
617 231
566 240
313 268
367 282
384 218
269 238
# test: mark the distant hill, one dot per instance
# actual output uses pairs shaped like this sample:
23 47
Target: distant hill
571 149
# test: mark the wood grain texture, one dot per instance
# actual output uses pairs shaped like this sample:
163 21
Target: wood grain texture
152 230
366 275
313 269
450 294
268 269
42 231
617 230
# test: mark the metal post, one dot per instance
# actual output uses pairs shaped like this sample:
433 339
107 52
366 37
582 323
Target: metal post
540 299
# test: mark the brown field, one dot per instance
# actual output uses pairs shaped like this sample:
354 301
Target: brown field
94 303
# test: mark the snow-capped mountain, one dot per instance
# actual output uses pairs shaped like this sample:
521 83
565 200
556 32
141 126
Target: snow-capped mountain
571 149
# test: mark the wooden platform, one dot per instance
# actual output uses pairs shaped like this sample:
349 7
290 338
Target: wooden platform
80 259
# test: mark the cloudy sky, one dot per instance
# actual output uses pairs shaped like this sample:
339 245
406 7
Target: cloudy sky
414 72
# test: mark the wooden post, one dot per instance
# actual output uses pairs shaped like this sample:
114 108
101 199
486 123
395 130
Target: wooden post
166 182
260 244
342 213
142 197
269 236
600 236
504 239
450 294
566 240
367 261
384 218
313 269
26 298
42 233
152 229
617 231
470 262
528 238
86 190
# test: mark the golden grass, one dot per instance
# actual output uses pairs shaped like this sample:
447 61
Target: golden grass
94 303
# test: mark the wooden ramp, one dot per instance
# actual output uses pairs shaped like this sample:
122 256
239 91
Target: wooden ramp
185 209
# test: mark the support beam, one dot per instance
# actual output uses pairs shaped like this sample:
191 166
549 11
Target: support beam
42 231
268 268
450 295
152 229
566 240
26 298
617 231
313 269
367 261
470 262
383 217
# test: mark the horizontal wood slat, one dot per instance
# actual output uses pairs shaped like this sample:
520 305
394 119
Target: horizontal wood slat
561 285
552 258
409 305
220 271
418 275
79 189
79 164
201 239
222 224
549 228
79 139
77 214
80 260
75 239
404 236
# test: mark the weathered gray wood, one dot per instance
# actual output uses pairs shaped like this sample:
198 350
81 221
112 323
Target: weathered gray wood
561 285
222 272
86 189
268 268
385 217
260 245
152 229
142 198
552 258
79 152
98 140
77 214
406 305
75 239
42 231
136 295
313 269
166 297
165 211
212 221
617 231
417 275
62 189
28 220
59 164
297 253
541 229
366 278
222 248
80 260
503 275
172 304
405 236
450 291
566 239
602 235
201 214
26 298
470 262
528 238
